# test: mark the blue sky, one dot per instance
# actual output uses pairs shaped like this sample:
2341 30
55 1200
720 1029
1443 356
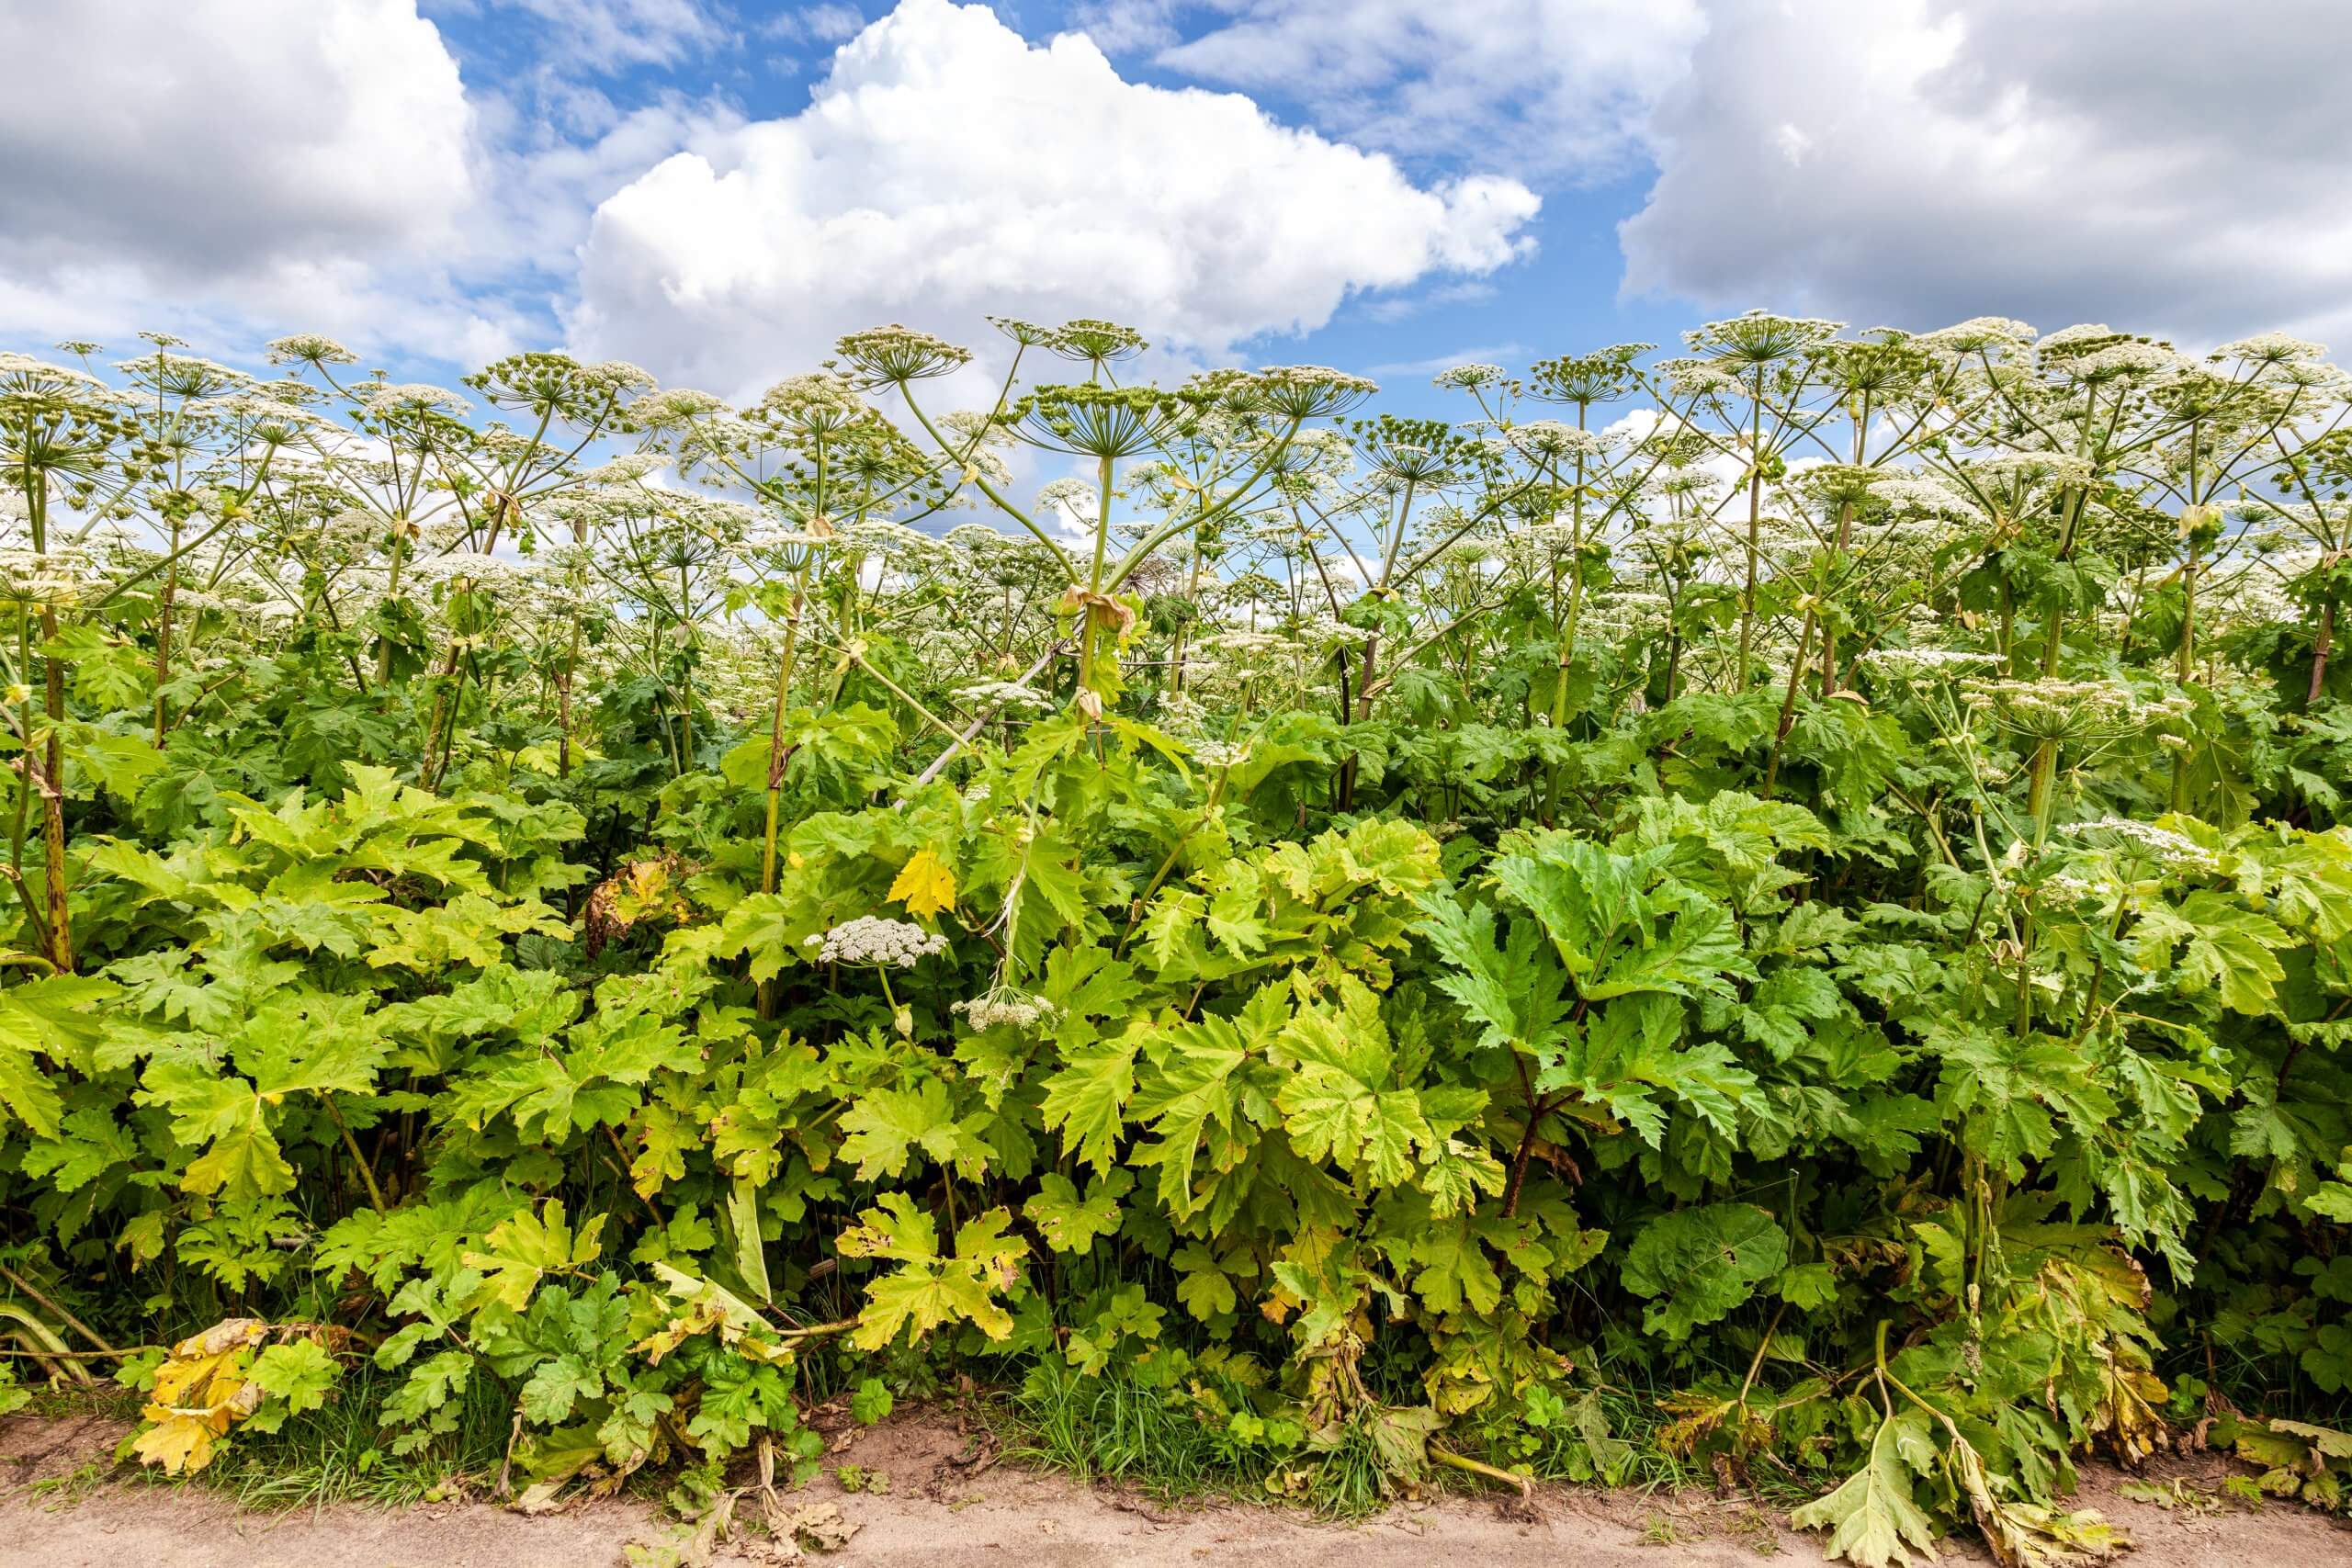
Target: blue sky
1563 296
716 189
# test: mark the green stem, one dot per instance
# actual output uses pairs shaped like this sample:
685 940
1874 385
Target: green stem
366 1172
777 756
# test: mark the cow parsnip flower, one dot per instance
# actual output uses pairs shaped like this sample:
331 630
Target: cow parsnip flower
1759 338
2174 849
1978 335
1468 377
2057 709
1005 1007
1096 342
310 348
1557 441
1301 392
411 398
876 940
897 354
2269 348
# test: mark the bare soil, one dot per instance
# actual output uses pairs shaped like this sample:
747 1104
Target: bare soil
949 1505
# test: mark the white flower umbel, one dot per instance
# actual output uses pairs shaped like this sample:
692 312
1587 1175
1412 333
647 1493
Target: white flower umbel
994 694
1011 1008
1915 660
2053 709
413 398
2174 849
875 939
1978 335
2270 348
1552 439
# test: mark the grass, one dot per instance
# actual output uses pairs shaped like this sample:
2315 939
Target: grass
1113 1429
338 1453
72 1401
1173 1447
68 1490
1171 1444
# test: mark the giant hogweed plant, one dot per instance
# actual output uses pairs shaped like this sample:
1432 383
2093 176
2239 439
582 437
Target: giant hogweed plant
1803 878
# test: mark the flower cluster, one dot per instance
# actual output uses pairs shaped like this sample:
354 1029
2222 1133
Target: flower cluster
2174 849
878 940
2051 708
1926 660
895 353
1004 1006
411 398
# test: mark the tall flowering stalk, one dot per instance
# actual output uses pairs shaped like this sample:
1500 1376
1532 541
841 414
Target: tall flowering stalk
62 437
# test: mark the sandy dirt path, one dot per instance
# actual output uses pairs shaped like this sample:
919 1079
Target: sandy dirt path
940 1515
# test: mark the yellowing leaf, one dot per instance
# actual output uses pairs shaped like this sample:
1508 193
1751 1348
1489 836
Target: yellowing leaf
526 1246
2030 1535
924 885
929 1290
201 1391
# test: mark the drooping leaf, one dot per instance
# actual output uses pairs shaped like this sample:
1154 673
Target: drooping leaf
1873 1518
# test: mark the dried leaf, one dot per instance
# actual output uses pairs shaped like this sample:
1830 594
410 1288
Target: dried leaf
201 1391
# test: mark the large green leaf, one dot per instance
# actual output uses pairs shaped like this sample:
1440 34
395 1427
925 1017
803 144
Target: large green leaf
1875 1518
1084 1099
1698 1265
886 1126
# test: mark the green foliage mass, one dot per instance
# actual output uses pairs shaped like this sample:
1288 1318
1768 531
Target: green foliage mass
1824 905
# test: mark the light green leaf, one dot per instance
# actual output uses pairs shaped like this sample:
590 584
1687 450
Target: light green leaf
1084 1099
300 1372
518 1251
1874 1519
743 1230
886 1125
1070 1224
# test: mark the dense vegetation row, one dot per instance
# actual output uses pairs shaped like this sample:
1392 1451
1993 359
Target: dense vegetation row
1779 909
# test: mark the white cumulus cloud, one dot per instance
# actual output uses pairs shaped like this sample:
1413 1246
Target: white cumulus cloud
1559 88
947 168
179 164
2166 165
